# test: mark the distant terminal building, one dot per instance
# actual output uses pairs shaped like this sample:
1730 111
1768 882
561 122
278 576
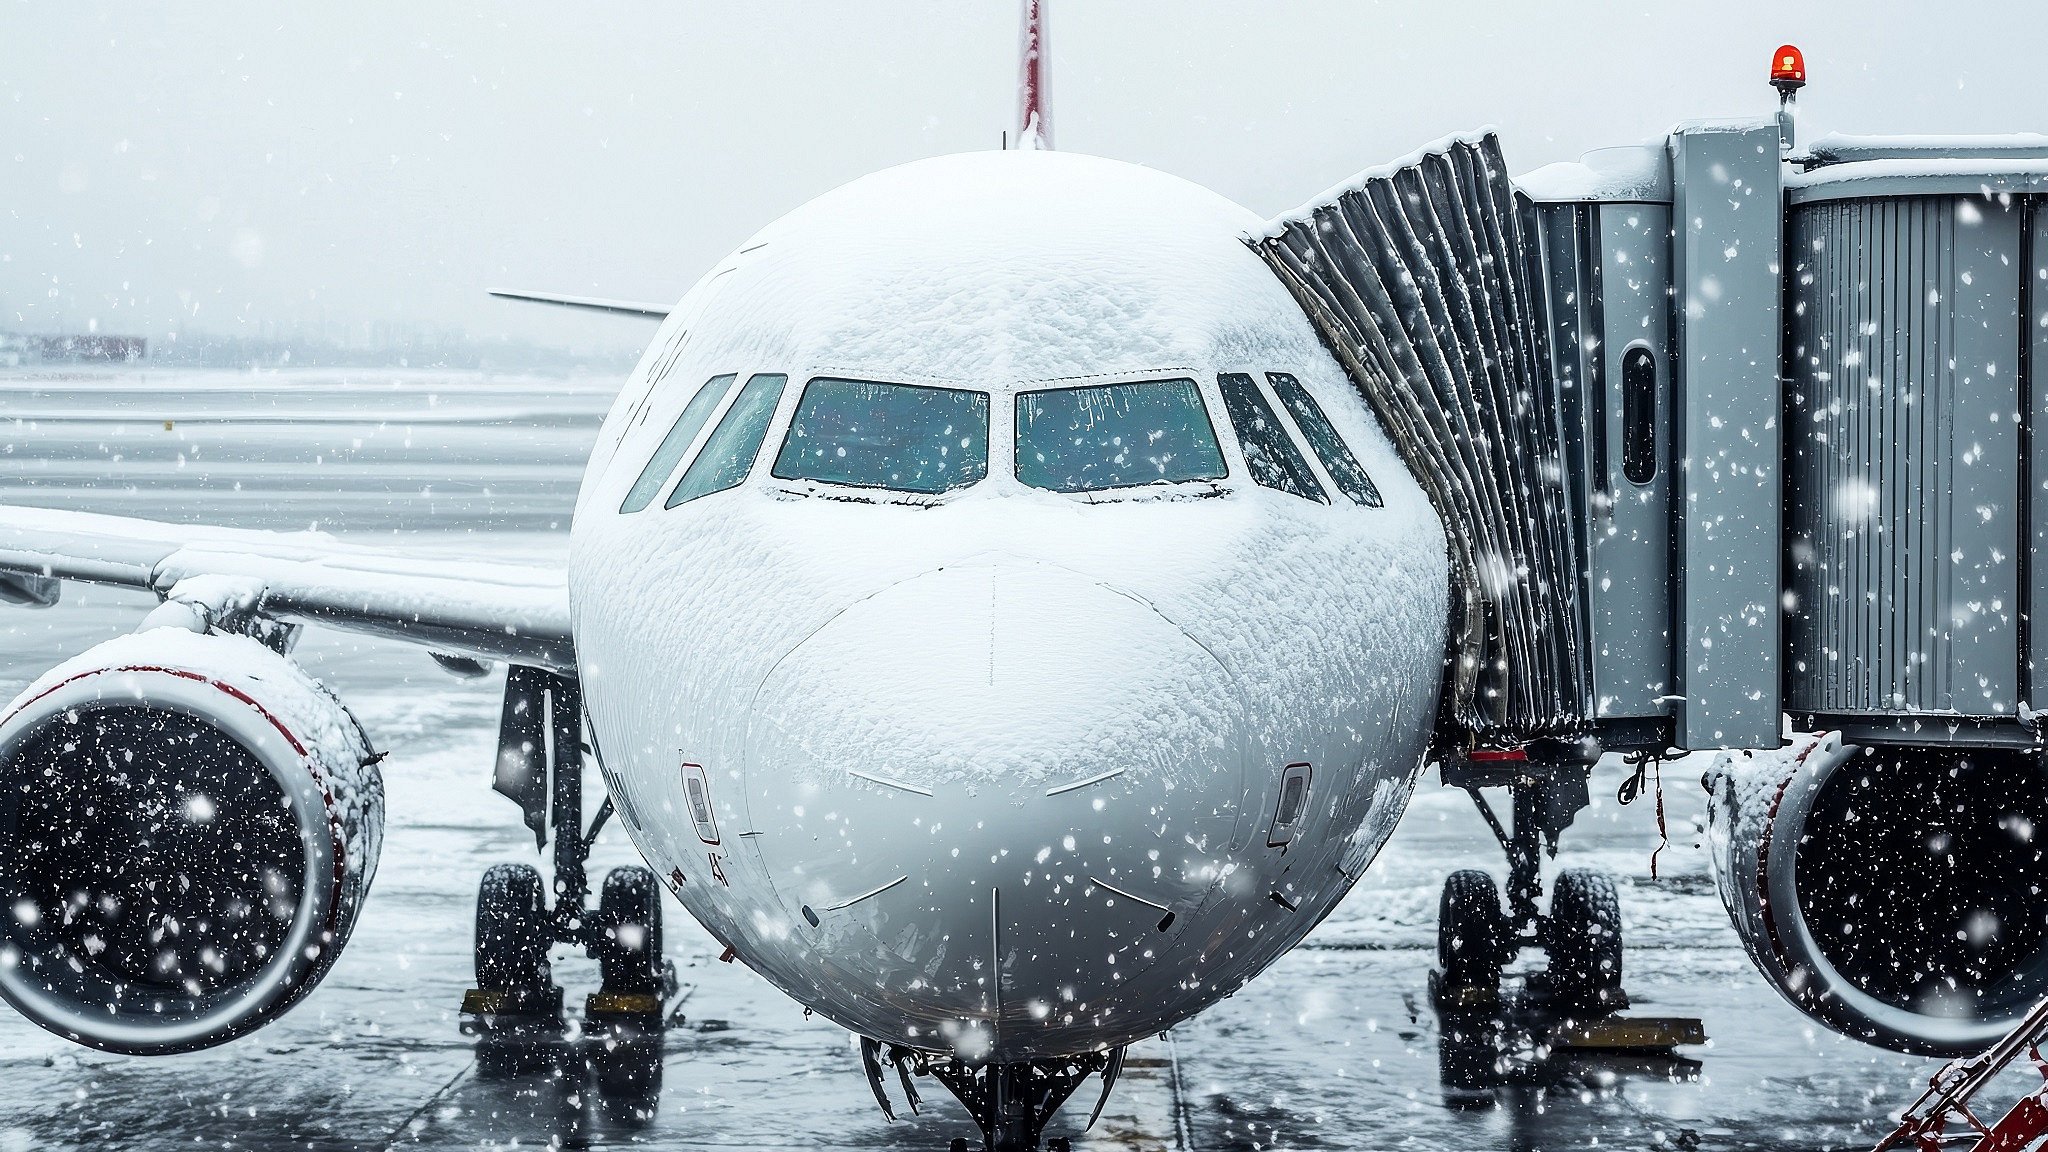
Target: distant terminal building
92 347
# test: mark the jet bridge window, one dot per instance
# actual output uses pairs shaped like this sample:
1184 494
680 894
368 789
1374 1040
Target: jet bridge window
1336 456
1116 436
902 437
1268 451
729 454
680 436
1639 415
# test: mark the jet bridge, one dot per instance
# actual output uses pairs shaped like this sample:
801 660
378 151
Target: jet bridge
1723 431
1720 430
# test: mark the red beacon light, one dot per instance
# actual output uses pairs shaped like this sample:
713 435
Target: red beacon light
1788 76
1788 69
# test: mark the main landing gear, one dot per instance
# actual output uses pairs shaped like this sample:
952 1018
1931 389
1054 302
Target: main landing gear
516 1009
1499 1030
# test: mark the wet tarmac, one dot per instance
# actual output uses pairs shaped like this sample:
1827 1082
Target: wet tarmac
1334 1047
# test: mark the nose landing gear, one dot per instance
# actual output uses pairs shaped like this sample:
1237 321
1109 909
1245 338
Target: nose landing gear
1010 1102
516 1010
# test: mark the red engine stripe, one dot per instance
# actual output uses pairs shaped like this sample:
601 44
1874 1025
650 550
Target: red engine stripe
1763 858
335 835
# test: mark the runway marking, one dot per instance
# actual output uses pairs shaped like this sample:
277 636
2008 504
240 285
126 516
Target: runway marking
885 782
871 892
1080 784
1099 882
405 1128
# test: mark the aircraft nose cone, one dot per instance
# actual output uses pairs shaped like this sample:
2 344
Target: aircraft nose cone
995 789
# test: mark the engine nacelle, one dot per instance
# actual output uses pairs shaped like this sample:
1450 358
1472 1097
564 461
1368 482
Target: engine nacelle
188 827
1896 895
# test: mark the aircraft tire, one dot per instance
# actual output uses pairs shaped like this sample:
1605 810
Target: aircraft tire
1582 936
1471 933
630 910
512 930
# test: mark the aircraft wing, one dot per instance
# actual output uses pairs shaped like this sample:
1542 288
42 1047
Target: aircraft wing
486 610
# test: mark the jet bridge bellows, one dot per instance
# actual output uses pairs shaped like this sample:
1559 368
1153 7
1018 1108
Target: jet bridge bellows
1719 431
1422 280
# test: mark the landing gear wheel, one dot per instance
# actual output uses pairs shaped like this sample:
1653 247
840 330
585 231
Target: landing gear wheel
1583 939
512 930
1471 939
623 1022
630 911
513 934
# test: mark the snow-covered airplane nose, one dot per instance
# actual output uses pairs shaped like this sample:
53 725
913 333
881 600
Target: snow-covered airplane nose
998 791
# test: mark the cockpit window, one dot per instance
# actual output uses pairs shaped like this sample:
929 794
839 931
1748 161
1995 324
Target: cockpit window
1268 451
1338 461
680 436
730 451
1115 436
903 437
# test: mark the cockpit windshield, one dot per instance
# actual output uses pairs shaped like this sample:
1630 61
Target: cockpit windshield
1116 436
903 437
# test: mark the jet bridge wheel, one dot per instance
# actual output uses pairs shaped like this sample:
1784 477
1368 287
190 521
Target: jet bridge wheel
1582 937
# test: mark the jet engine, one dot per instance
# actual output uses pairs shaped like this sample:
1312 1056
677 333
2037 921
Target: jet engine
1893 894
188 827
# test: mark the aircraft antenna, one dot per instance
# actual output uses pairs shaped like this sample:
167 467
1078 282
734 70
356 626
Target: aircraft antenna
1034 125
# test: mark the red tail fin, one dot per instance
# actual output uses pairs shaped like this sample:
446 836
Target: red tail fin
1034 124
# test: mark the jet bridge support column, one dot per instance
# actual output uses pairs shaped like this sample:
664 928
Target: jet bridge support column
1728 223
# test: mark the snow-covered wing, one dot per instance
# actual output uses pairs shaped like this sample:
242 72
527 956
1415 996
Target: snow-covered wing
483 609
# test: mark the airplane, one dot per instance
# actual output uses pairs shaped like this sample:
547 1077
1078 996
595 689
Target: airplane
996 615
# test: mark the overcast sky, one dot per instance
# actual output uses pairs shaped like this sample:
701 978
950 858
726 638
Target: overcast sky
217 167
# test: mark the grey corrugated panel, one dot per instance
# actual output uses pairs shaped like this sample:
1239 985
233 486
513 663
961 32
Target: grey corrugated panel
1568 305
1903 501
1420 280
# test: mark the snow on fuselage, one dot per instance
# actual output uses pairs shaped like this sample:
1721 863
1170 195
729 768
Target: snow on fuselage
996 769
